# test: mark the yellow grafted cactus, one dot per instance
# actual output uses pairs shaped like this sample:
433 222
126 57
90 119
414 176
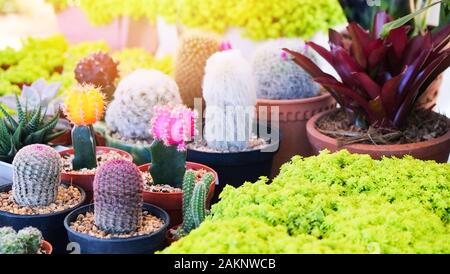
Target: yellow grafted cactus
194 49
84 105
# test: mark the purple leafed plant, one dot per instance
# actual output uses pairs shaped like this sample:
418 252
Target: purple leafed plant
381 77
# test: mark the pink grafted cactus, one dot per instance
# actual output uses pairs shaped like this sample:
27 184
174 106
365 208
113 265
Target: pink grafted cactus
173 125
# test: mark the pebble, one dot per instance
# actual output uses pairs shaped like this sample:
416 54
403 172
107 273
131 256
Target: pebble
101 159
150 187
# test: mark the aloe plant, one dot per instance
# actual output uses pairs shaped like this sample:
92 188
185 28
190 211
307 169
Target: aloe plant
30 127
382 77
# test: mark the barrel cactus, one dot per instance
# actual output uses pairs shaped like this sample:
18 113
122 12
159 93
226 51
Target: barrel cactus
278 77
100 70
118 187
27 241
36 175
131 111
84 105
230 97
194 49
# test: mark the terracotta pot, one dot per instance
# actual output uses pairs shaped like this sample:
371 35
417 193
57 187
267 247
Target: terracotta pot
428 99
85 181
47 247
293 115
437 149
173 202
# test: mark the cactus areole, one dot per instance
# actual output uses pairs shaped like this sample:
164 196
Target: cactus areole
84 105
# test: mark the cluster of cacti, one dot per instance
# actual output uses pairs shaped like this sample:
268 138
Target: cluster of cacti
30 127
36 175
278 77
27 241
194 201
171 128
84 105
118 187
100 70
230 97
194 49
131 111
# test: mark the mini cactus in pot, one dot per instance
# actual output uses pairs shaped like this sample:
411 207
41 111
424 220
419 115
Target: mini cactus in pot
100 70
287 95
28 240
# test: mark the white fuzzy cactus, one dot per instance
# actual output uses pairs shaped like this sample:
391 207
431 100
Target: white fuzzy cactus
230 97
277 76
131 111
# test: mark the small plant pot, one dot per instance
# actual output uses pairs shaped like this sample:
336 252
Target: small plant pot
436 149
51 225
86 181
173 202
293 115
133 245
47 247
170 238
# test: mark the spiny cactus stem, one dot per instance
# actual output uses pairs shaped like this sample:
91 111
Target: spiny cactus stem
168 164
84 147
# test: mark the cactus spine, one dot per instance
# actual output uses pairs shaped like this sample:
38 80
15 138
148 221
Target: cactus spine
278 77
118 187
84 105
193 51
26 241
230 97
131 111
194 200
36 175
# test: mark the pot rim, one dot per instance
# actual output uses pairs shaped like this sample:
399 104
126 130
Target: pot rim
200 166
20 216
90 208
312 131
308 100
69 151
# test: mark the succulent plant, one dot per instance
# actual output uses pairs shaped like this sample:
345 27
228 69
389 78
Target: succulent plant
171 128
118 187
36 175
27 241
40 94
194 201
131 111
278 77
193 51
230 97
84 105
30 127
100 70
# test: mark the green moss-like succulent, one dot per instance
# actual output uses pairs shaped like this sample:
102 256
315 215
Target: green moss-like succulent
332 203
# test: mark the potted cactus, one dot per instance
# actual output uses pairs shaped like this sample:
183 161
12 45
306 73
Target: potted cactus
383 74
83 106
36 197
194 204
28 240
290 95
171 128
233 144
118 221
129 114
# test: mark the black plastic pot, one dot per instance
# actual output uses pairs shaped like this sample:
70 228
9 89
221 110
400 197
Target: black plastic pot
51 225
236 168
134 245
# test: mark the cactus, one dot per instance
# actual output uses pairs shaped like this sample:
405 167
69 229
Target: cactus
100 70
278 77
230 97
171 128
26 241
118 187
131 111
194 201
36 175
194 50
84 105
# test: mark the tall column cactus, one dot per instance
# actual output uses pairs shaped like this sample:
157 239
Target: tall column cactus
84 105
36 175
118 187
171 128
